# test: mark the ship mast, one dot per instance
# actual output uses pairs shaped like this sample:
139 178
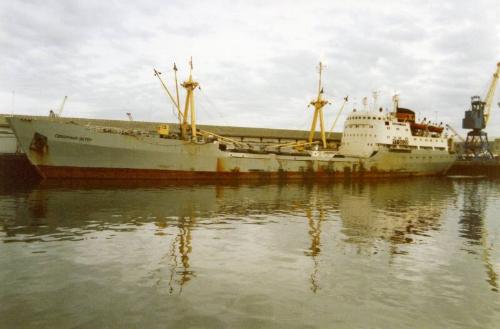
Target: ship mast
189 111
318 104
190 85
176 103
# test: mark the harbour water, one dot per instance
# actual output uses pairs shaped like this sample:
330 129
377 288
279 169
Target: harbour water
408 253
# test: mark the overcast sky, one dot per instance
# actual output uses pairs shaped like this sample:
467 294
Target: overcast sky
255 60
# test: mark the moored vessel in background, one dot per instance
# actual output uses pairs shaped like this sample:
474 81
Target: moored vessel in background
13 162
8 142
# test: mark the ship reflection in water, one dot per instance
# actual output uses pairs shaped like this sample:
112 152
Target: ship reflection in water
406 253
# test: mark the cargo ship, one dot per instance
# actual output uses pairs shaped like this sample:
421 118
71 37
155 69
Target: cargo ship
374 144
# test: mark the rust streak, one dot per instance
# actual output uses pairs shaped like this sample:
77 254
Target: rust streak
220 165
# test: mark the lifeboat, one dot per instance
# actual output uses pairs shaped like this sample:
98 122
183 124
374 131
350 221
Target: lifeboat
423 126
407 115
418 126
435 129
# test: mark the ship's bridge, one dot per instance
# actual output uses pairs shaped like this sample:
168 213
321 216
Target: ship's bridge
363 131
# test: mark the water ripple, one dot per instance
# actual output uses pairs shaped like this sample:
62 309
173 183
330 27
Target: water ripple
420 253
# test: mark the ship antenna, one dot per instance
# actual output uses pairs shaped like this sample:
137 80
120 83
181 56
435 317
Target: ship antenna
320 68
375 100
13 101
318 104
365 103
190 67
395 102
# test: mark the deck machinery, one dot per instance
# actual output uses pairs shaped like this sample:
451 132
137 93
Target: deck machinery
476 145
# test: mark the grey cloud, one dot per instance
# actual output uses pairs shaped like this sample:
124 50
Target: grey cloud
255 60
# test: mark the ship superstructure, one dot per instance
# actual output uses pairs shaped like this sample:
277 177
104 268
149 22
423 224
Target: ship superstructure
368 132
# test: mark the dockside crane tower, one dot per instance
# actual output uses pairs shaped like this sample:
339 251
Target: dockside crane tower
476 145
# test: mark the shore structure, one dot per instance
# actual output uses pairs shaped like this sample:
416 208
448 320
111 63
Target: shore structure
476 155
13 162
480 167
8 142
374 144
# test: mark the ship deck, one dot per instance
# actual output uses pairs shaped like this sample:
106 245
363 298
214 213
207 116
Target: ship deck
243 134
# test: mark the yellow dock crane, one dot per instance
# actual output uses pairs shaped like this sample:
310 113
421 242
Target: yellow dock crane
476 145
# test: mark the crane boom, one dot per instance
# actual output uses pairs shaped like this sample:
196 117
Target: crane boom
491 92
61 108
337 117
455 132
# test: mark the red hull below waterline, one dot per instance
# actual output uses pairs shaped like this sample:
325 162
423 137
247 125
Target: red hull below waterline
151 174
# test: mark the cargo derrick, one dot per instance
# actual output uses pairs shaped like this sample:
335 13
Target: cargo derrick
189 131
318 105
476 144
189 110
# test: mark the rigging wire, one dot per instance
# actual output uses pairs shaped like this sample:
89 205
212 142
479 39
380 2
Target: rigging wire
213 106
